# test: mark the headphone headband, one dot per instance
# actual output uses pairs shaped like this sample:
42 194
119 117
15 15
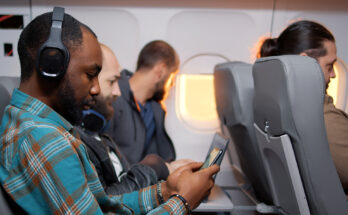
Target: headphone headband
58 14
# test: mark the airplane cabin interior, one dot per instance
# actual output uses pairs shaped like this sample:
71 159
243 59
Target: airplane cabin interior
278 160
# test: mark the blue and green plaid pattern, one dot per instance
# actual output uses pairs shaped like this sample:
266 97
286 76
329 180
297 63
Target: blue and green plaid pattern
44 167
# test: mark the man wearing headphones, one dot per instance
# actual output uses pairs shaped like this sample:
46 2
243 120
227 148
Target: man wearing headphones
44 166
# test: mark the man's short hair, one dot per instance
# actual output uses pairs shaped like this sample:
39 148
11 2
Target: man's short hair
37 32
154 52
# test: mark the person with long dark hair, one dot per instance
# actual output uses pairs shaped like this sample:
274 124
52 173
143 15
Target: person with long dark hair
312 39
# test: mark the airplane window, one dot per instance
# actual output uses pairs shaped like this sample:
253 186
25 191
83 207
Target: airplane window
207 31
196 101
338 87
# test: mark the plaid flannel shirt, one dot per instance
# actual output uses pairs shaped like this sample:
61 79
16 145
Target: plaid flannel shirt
44 167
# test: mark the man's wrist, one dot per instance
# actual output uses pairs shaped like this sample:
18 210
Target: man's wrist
166 191
159 192
183 200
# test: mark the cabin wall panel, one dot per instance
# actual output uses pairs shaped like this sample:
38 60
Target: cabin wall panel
10 64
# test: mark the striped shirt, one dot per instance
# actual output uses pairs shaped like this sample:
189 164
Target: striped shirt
44 167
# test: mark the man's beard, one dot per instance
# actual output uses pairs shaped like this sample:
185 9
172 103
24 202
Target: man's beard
158 95
72 109
101 106
327 87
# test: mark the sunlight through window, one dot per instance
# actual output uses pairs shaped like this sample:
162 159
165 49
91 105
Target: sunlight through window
196 101
333 89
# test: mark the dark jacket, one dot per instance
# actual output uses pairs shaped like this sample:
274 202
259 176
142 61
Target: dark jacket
135 177
128 130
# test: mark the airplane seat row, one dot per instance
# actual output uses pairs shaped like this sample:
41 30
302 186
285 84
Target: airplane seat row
7 84
273 111
287 106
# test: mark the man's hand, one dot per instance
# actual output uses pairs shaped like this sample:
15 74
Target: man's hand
191 184
172 166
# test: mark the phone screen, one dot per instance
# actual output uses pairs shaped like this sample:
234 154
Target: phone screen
211 159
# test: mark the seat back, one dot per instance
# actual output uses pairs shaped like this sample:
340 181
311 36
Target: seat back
4 206
234 91
7 84
8 206
290 129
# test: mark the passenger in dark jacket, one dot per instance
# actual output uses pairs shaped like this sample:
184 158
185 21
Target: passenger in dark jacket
138 123
115 173
125 178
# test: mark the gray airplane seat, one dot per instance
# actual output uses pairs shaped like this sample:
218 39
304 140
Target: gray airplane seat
290 129
7 84
234 90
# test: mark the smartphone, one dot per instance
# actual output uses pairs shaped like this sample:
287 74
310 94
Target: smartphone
212 157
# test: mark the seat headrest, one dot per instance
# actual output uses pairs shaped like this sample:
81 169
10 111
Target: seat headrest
4 100
234 92
7 85
288 89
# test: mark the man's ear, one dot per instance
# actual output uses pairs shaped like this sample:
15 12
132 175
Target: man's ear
159 70
303 54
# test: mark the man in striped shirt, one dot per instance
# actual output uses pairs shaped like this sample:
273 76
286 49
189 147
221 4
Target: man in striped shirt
44 166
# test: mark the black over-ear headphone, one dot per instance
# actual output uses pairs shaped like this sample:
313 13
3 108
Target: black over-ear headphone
93 121
53 57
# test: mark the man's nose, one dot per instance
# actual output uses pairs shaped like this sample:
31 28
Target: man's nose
333 74
95 89
116 90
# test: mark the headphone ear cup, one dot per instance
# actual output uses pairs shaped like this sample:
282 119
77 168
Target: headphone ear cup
53 57
51 62
93 121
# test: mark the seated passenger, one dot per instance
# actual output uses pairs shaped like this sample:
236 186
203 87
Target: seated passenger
114 171
44 166
138 123
312 39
